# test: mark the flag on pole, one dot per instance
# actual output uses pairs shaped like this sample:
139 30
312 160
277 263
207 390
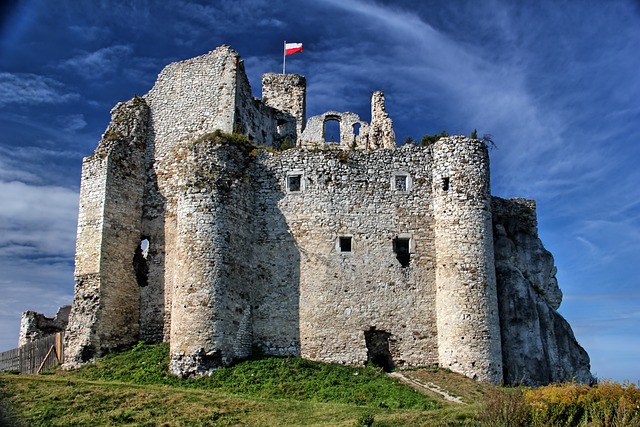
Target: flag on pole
290 48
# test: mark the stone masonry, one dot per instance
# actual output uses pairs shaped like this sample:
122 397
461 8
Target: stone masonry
220 222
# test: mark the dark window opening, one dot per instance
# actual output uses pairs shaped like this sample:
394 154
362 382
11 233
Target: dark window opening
332 131
294 183
140 266
401 248
400 183
280 126
378 353
345 244
445 183
356 129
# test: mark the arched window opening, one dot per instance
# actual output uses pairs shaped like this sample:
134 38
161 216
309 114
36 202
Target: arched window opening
144 247
331 130
356 129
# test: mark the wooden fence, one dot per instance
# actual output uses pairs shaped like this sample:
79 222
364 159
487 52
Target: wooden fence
35 356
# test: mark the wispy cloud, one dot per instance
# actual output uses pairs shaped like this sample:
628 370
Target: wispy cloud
94 65
42 285
90 32
29 89
37 220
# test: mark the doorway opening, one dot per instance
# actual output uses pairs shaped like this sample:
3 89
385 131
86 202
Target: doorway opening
378 353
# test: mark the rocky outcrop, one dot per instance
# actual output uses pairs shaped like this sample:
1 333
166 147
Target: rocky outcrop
538 345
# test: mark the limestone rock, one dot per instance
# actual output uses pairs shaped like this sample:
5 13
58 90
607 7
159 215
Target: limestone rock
538 345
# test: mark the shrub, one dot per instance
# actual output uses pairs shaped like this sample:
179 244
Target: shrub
505 407
428 140
606 404
365 420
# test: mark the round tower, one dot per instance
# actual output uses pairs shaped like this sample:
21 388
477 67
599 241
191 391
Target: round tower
466 295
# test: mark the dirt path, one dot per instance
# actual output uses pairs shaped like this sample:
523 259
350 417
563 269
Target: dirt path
421 385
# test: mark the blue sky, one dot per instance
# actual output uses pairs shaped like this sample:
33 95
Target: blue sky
556 83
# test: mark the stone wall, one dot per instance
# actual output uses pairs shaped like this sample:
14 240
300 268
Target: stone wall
212 285
190 98
287 93
105 313
335 296
381 134
34 326
315 135
466 303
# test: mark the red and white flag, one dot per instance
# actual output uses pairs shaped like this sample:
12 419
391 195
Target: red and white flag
290 48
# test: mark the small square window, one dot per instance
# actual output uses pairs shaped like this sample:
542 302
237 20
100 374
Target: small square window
344 243
294 183
401 183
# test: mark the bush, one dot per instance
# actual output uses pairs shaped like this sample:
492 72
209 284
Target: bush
365 420
505 407
604 405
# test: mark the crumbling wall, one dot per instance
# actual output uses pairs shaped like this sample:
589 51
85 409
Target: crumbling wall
315 136
34 325
381 134
105 312
287 93
189 98
538 344
466 303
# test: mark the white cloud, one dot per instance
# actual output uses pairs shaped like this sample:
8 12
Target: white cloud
41 285
37 220
94 65
21 88
72 123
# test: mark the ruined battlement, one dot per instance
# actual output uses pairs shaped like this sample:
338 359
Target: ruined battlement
220 222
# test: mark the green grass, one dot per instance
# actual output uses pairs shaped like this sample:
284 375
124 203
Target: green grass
265 378
133 388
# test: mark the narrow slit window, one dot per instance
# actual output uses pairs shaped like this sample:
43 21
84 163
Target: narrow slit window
401 248
345 243
445 183
294 183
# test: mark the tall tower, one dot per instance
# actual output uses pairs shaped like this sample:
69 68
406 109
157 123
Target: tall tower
105 313
466 295
287 93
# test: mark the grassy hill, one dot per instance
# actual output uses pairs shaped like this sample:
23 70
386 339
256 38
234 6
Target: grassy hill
133 388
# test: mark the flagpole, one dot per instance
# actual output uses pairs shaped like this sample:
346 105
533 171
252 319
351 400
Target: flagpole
284 55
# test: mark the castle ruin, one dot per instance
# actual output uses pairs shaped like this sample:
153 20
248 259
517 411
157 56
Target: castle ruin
197 226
